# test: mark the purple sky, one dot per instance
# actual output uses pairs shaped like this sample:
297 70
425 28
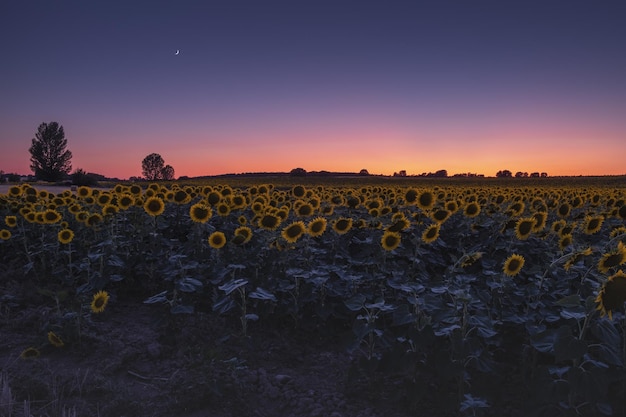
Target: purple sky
473 86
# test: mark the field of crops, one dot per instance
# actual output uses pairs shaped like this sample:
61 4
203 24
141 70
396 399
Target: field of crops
464 294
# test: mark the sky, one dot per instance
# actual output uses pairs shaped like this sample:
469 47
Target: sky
260 86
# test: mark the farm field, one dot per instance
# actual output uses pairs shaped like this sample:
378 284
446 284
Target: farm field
314 297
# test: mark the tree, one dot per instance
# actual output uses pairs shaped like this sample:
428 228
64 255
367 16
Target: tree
504 174
49 158
364 172
167 173
152 167
298 172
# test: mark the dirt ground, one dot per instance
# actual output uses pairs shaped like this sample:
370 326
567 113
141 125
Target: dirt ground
138 360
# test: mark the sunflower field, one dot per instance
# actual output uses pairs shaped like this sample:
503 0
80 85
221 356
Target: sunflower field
462 293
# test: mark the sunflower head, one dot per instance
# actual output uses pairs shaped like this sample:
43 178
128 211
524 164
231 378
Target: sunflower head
471 210
55 340
65 236
10 221
99 301
426 200
269 221
565 241
243 234
390 240
592 224
524 227
612 259
154 206
317 227
342 225
513 265
29 353
5 234
293 232
217 240
200 213
431 233
612 295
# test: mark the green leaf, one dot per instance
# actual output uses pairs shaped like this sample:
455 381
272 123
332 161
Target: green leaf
262 294
355 303
232 285
569 301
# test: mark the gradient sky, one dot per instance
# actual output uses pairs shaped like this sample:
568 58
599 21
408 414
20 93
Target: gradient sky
466 86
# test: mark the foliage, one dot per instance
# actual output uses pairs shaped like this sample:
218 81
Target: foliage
443 318
50 160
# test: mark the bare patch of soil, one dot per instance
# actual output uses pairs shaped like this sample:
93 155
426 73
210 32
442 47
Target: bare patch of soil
137 360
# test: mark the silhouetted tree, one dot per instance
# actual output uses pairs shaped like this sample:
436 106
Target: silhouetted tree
80 177
504 174
534 175
152 167
544 175
49 158
298 172
167 173
364 172
442 173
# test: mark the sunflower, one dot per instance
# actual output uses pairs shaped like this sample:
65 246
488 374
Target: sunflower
217 240
124 201
576 257
470 259
154 206
426 200
565 241
200 213
242 220
342 225
390 240
65 236
293 232
317 227
410 196
558 225
93 219
612 295
618 231
99 302
399 224
304 209
29 353
5 234
431 233
10 221
223 208
471 210
612 259
181 197
269 221
513 265
524 227
55 340
298 191
51 216
242 233
15 191
593 224
540 221
563 210
109 210
440 215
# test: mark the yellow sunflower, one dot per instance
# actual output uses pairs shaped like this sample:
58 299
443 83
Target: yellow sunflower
217 240
565 241
65 236
109 210
317 227
592 224
612 295
342 225
612 259
5 234
440 215
576 257
513 265
293 232
426 200
223 208
10 221
269 221
125 201
563 210
200 213
55 340
99 301
93 219
243 234
51 216
524 227
304 209
471 210
29 353
431 233
154 206
390 240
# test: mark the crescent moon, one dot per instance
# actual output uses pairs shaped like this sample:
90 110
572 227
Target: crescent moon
177 52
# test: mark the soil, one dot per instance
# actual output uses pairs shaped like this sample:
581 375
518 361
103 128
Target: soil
139 360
